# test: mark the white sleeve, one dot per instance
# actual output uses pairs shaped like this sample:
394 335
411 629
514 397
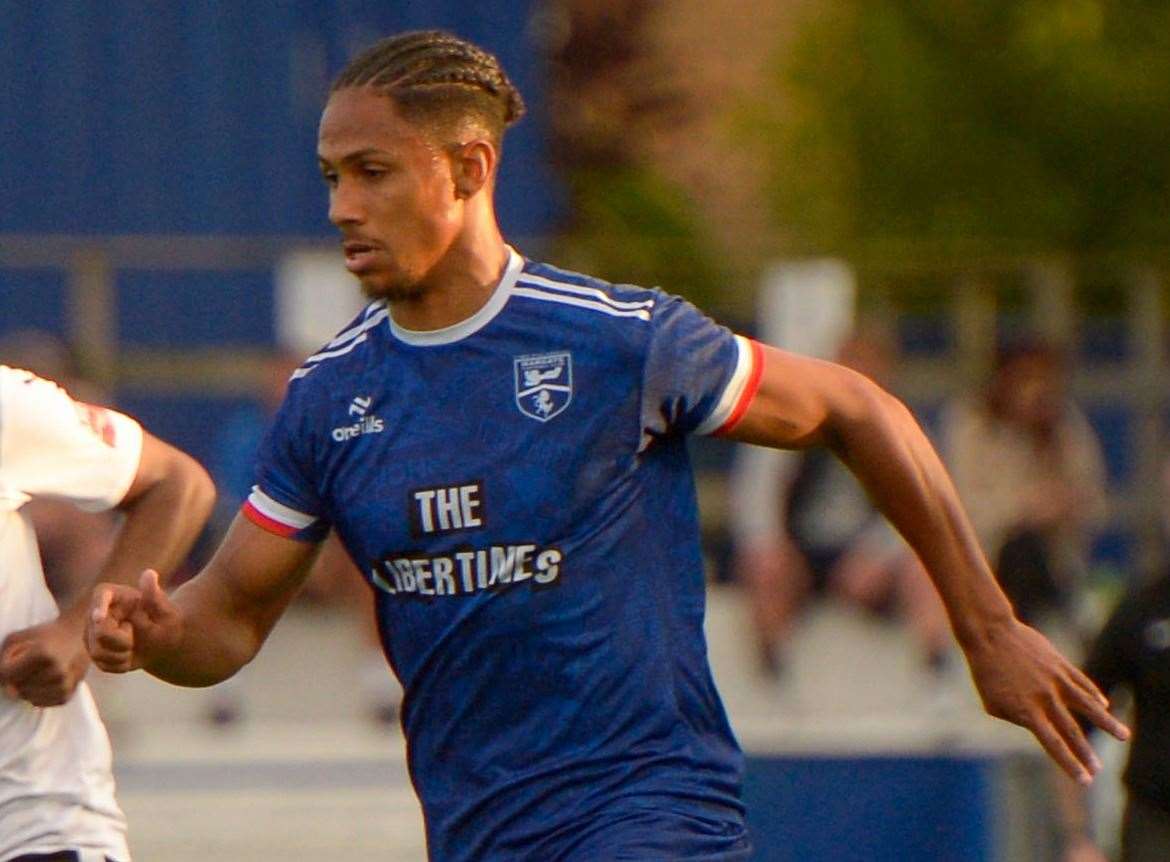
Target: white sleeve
53 446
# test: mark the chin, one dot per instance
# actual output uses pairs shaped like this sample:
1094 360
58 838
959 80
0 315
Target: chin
393 290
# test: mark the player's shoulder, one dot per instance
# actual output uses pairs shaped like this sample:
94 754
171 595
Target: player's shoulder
19 387
10 376
579 295
336 359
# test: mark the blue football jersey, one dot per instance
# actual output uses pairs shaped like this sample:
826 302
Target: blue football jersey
516 489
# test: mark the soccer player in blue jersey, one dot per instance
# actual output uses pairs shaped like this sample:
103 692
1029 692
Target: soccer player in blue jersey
501 446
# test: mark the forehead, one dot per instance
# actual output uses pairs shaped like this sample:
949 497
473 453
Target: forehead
358 119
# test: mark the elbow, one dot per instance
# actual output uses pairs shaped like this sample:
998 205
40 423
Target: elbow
862 405
197 490
187 488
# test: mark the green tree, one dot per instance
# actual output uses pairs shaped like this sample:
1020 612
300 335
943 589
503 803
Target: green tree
1038 124
628 219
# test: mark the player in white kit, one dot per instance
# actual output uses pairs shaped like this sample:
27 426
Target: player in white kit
56 786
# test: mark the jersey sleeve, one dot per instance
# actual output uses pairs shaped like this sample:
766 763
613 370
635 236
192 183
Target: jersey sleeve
285 501
699 377
53 446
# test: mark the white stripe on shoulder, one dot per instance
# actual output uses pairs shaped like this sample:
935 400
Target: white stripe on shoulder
546 296
375 313
268 507
581 290
328 354
734 389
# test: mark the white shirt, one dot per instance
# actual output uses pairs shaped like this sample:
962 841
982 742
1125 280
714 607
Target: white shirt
56 785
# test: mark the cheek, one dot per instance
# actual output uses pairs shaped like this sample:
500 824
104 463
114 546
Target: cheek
441 211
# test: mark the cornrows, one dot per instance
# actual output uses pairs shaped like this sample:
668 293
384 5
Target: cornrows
430 71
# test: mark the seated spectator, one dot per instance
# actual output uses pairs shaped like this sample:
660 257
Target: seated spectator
1031 473
831 539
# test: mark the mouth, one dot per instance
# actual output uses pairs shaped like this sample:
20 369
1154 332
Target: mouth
359 255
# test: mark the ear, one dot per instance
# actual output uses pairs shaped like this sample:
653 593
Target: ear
472 166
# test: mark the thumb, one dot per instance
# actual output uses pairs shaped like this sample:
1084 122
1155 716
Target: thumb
10 655
13 641
12 651
154 598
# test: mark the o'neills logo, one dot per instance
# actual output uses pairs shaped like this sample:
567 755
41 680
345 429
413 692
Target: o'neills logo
365 425
359 407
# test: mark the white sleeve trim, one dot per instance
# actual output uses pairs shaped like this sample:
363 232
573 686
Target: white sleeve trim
279 512
733 391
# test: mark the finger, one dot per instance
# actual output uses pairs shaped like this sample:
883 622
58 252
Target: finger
113 662
1059 751
1082 681
101 603
24 665
47 692
111 653
114 601
46 696
13 640
115 638
1074 737
10 654
1102 718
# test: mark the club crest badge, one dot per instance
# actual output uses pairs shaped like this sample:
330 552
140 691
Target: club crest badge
544 384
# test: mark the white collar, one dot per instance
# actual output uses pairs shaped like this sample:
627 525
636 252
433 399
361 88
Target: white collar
471 325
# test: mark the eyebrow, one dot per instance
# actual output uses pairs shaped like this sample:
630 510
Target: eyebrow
356 156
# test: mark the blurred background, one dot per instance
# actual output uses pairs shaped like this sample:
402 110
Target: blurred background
966 201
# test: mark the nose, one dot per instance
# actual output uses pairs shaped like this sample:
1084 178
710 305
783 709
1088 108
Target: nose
345 205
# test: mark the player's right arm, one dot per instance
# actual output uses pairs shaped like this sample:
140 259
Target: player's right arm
212 625
216 623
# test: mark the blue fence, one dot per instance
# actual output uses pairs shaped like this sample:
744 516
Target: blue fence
129 117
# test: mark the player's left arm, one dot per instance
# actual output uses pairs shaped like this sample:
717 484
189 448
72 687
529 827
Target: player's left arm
165 507
804 402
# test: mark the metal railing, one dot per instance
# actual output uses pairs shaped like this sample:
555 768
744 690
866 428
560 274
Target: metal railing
968 297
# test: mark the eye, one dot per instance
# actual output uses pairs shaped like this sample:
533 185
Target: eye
330 177
374 172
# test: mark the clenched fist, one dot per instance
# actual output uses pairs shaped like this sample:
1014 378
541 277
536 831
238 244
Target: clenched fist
128 628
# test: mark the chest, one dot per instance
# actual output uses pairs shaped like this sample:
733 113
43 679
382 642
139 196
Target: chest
440 447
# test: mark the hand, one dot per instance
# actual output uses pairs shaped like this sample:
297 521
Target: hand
44 664
1023 679
1082 849
128 628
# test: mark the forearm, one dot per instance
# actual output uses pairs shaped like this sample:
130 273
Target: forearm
161 522
218 636
225 613
159 529
878 438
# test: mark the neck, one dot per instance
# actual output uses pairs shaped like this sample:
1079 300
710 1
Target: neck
459 285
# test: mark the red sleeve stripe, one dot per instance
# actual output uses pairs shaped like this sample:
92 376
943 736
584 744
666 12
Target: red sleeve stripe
264 522
749 390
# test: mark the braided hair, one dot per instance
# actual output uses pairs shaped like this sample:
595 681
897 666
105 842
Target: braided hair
437 78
